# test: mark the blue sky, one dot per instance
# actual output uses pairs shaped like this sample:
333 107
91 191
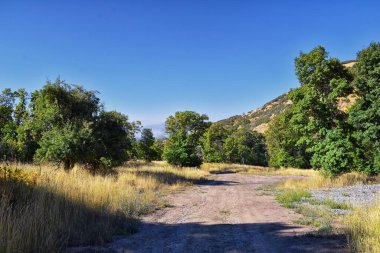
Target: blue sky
149 59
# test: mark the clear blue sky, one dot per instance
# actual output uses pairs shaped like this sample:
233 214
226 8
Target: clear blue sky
149 59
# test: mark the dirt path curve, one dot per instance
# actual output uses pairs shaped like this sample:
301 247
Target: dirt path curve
227 214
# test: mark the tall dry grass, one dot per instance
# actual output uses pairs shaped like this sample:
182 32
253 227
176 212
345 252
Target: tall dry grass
318 181
44 210
363 229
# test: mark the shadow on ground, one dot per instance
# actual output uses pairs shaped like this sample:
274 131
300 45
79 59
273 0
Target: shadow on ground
198 237
171 178
223 172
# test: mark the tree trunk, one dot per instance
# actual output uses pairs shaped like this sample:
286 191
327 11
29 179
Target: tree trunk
68 165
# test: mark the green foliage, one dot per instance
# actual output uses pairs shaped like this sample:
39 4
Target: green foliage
181 151
336 141
312 127
67 145
158 147
364 116
64 124
7 124
183 145
147 147
114 136
323 80
213 143
246 147
282 144
335 154
190 123
289 198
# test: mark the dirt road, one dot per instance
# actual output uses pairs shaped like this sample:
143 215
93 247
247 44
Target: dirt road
228 214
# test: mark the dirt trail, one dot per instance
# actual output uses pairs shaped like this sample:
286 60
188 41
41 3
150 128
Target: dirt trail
227 214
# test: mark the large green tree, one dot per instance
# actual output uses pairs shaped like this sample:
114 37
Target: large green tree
70 126
323 80
314 113
365 114
183 145
62 118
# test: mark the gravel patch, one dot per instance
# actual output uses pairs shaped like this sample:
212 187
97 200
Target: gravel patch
360 195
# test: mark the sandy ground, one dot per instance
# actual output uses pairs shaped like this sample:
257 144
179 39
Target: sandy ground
227 214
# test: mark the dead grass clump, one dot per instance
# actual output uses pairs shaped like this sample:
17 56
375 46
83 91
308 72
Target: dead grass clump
363 229
318 181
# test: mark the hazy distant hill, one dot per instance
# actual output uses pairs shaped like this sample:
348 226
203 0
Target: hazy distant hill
259 119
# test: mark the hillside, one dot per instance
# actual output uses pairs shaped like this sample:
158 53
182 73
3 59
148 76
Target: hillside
258 120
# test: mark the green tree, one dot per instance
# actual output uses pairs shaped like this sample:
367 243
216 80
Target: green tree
183 145
20 111
281 140
62 119
246 147
145 146
323 80
26 146
213 143
314 112
7 125
69 125
114 136
364 116
158 147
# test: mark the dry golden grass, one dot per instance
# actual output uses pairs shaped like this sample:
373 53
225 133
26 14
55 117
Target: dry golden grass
318 181
363 229
59 209
249 169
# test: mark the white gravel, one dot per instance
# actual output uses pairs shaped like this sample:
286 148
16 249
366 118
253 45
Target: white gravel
360 195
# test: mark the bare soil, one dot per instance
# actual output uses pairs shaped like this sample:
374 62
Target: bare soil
226 214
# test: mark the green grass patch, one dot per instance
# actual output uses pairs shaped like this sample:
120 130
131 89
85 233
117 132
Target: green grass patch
330 203
318 217
288 198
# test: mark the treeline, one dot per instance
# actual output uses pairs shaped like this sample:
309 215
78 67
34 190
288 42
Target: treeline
67 125
315 131
193 139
